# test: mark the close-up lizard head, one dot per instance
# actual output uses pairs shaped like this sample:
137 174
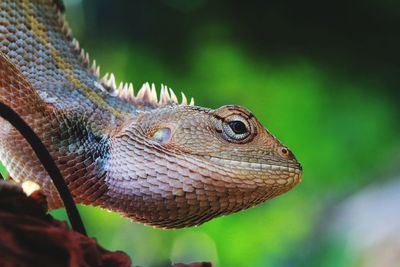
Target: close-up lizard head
217 162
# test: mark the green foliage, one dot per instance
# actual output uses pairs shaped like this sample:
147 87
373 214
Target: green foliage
3 171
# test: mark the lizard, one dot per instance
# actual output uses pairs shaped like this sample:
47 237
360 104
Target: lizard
146 155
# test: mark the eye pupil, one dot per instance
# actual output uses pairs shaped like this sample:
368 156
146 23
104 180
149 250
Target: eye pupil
238 127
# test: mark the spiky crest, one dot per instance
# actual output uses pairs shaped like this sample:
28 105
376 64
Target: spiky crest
60 5
147 95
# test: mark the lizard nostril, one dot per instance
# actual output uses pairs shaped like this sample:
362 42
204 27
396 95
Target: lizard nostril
284 152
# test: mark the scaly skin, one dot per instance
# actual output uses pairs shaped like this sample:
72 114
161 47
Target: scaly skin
161 163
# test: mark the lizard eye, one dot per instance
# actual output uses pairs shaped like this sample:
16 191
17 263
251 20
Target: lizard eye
236 128
235 124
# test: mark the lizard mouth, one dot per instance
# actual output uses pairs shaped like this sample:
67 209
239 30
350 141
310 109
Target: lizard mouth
279 173
294 168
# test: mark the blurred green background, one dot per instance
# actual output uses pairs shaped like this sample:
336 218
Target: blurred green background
322 76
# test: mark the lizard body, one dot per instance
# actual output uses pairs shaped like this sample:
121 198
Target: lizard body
159 162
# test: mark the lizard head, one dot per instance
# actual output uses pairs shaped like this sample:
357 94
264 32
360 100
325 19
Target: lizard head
200 163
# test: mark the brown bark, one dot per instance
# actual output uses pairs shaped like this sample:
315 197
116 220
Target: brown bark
31 237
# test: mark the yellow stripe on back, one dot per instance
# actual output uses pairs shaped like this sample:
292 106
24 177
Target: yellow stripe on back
39 30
